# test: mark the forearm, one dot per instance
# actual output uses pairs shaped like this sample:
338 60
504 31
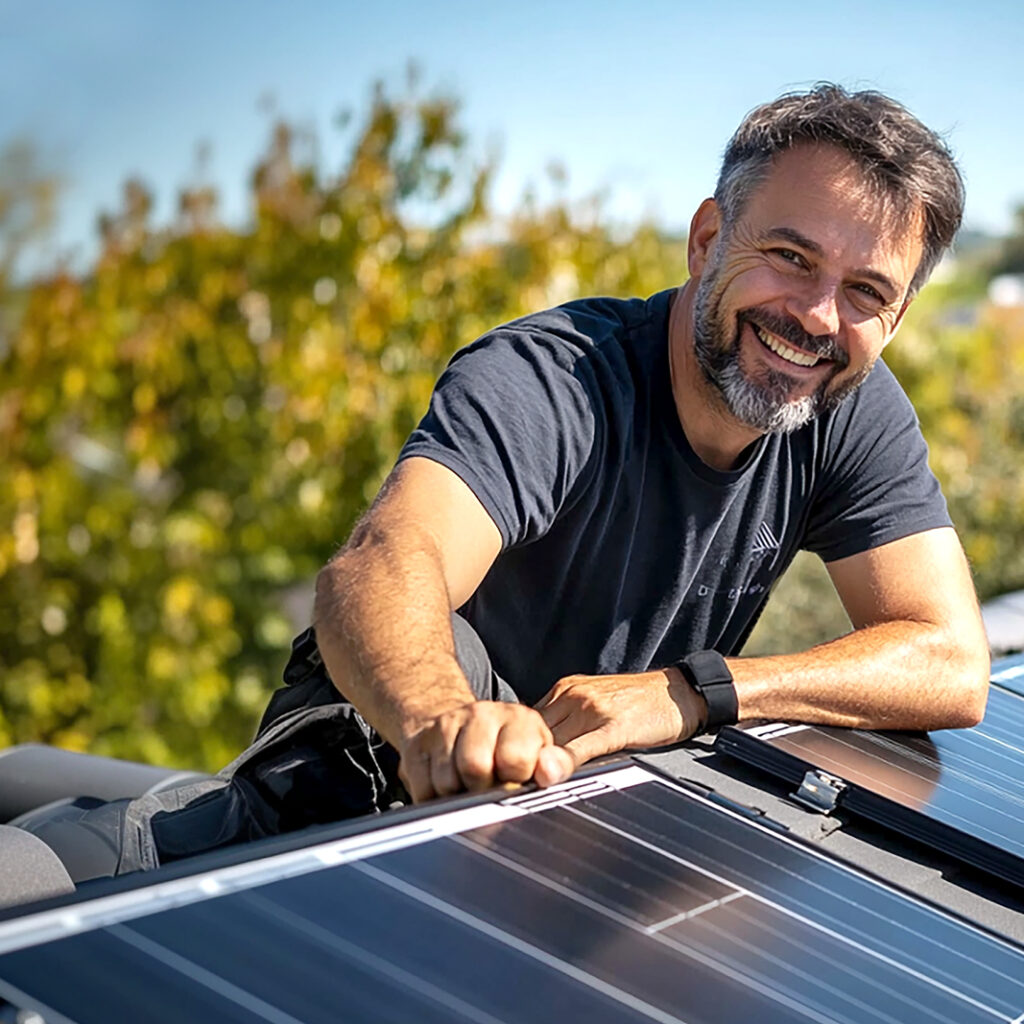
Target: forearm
893 675
383 626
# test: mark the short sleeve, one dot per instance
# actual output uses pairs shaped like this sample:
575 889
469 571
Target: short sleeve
513 419
875 486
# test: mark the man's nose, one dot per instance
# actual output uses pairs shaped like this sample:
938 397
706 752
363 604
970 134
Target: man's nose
818 309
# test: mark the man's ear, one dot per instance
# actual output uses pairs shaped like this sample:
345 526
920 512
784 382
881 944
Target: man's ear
704 229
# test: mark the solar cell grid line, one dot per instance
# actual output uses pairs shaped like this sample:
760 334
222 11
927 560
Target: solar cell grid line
871 987
970 757
490 907
1008 673
1003 714
806 883
596 950
864 974
951 765
556 844
961 790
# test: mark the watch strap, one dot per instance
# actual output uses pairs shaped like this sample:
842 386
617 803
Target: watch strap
708 674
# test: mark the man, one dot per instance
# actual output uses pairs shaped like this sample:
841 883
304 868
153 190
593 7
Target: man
606 488
605 493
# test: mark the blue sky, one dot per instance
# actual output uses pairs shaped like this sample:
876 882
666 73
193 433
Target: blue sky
635 98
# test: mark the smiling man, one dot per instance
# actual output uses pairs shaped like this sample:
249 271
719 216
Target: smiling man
605 492
581 533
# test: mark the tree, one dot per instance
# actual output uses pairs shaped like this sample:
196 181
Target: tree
193 425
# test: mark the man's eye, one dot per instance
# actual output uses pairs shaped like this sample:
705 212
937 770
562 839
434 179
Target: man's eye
870 292
789 256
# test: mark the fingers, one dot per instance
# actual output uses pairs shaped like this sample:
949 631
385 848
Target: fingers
473 756
588 745
478 746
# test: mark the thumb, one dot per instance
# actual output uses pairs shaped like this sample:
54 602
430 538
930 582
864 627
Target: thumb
554 764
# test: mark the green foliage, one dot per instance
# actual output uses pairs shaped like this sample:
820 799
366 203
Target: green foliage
191 427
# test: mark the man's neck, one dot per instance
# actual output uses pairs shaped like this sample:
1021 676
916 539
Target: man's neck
716 436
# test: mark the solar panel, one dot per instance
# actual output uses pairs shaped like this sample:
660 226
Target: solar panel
959 790
1008 673
615 897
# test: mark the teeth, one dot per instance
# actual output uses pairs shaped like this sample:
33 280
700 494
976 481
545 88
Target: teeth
791 355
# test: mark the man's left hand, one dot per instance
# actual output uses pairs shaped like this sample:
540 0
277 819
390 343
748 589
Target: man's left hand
595 715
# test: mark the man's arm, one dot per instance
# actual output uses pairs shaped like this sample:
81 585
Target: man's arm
383 625
916 659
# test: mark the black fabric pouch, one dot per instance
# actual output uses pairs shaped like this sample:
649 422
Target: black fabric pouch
314 760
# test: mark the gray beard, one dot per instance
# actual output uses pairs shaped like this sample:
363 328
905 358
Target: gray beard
760 402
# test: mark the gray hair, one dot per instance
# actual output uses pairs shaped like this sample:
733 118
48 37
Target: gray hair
906 161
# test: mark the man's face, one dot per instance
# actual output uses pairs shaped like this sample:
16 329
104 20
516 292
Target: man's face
797 298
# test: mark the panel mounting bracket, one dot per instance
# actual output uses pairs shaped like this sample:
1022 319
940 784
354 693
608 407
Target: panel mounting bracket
819 791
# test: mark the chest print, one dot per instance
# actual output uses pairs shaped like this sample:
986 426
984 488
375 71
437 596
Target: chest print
746 572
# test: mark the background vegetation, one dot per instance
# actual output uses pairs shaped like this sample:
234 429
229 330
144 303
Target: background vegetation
191 426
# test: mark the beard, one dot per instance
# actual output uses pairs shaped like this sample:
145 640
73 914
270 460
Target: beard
762 399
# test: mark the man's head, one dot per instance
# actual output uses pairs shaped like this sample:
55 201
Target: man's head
830 212
905 163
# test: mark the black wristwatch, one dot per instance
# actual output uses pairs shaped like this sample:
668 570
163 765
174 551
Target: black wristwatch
708 674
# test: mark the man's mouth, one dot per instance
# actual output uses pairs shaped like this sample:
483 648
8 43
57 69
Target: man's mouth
782 350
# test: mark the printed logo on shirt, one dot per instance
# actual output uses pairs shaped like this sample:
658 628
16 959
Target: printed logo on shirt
764 540
761 556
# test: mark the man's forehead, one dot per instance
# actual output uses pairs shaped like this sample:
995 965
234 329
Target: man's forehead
818 196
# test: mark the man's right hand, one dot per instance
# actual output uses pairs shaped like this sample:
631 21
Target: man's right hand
479 745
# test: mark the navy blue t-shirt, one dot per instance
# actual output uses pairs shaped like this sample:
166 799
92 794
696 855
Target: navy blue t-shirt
621 550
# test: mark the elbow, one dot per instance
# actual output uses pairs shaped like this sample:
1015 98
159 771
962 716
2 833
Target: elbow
971 692
971 710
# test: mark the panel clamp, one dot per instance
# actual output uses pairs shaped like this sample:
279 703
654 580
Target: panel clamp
819 791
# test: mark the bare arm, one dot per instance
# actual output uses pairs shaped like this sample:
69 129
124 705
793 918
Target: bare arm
383 624
917 659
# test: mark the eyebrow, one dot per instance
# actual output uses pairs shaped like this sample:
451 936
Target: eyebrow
797 238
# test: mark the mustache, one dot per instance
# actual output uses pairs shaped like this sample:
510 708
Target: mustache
823 345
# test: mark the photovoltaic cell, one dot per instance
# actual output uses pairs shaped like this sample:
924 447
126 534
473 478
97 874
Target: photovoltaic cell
1008 673
959 790
615 898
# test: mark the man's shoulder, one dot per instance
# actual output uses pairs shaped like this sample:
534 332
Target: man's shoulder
589 322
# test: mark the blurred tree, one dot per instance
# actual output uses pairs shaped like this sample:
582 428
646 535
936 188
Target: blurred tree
192 426
1009 257
28 195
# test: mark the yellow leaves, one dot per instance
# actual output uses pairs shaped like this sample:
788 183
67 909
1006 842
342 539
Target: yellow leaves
162 663
274 630
311 495
179 599
144 398
26 537
75 382
216 611
111 614
189 535
203 696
